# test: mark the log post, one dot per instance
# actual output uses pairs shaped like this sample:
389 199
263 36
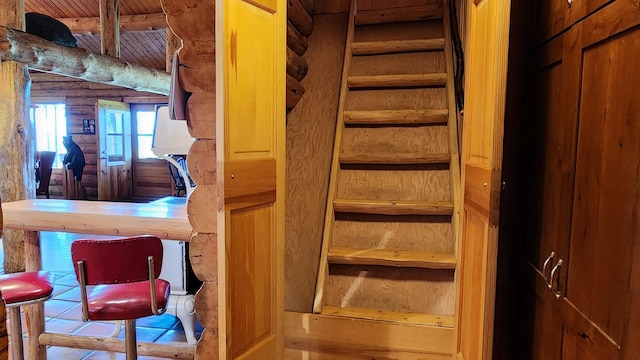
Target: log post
191 21
173 43
110 27
17 154
48 56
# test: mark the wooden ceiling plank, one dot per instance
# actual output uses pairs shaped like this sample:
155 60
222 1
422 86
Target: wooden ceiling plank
140 22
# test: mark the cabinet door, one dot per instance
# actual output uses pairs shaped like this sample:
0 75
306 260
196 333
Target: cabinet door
551 169
596 285
579 9
541 312
605 228
549 19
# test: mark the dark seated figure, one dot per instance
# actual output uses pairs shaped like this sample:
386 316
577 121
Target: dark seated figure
49 28
44 163
74 159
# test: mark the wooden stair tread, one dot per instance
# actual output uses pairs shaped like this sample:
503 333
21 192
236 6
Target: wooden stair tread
394 158
386 257
415 13
396 117
446 321
396 46
387 207
397 81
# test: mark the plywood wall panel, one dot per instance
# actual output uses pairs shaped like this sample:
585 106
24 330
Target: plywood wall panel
310 132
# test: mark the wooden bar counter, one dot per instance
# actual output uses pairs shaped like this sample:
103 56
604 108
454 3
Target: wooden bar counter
162 219
165 220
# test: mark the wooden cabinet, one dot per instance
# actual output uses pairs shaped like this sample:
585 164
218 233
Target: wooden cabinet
584 194
554 16
549 19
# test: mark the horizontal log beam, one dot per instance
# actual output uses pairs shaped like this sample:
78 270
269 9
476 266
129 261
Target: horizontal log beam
116 345
296 41
295 90
141 22
296 65
43 55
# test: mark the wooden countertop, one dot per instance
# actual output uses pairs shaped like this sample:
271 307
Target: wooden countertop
164 219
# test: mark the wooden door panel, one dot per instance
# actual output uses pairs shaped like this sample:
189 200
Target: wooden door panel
251 158
251 133
473 269
487 49
251 294
114 177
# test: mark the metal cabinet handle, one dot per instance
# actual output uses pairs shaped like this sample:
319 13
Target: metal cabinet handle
544 269
557 293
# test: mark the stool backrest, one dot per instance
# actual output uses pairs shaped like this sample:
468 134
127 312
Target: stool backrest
118 260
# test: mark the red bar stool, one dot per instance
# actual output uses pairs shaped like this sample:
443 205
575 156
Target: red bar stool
23 288
125 272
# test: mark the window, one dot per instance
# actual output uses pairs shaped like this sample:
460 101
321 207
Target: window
115 137
145 122
50 125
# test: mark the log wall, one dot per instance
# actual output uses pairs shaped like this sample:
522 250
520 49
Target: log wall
299 27
310 133
80 99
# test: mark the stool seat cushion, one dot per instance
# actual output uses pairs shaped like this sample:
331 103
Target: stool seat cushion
26 286
125 301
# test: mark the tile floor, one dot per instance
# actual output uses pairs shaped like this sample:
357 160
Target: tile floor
63 310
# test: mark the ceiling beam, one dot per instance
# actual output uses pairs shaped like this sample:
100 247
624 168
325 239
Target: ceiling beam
141 22
110 25
43 55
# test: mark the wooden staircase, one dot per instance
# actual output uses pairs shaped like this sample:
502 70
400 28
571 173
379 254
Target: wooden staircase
390 237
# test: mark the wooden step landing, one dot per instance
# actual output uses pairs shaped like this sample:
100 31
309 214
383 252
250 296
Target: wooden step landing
445 321
396 46
396 117
385 207
397 81
395 158
396 258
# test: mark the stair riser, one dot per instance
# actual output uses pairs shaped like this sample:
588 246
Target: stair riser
391 64
391 289
419 233
403 99
401 140
417 30
394 185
